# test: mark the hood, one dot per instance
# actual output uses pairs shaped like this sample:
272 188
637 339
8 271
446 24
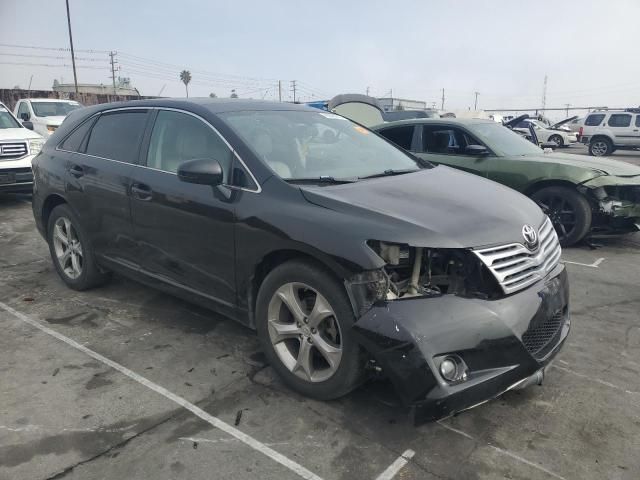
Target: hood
438 207
18 134
562 122
604 166
56 121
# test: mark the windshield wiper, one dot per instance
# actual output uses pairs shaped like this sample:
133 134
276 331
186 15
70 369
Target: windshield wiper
390 172
321 179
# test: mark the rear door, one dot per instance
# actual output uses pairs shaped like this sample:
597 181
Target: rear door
446 144
620 125
636 131
185 232
100 156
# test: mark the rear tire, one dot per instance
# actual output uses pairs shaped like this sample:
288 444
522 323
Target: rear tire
304 320
600 147
71 253
568 210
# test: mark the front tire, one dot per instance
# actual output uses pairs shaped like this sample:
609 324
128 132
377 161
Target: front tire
568 210
70 251
304 320
600 147
557 139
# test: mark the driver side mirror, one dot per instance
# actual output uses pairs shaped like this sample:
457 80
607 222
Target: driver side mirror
25 116
477 150
203 171
27 124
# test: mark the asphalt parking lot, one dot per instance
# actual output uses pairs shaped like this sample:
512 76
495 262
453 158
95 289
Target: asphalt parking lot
126 382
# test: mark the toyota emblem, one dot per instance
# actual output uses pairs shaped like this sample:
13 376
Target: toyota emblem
530 237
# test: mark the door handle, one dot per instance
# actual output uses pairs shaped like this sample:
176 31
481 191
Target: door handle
141 191
76 171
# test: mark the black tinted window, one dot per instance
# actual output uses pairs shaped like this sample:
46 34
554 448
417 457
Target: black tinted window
73 143
401 136
117 136
637 120
436 139
178 137
241 177
620 120
594 120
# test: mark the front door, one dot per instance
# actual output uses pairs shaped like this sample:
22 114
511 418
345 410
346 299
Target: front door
446 144
184 232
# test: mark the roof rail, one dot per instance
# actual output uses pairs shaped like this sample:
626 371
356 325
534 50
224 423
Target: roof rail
632 110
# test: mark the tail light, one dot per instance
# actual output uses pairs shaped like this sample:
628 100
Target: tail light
580 133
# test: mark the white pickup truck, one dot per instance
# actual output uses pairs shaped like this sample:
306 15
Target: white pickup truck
18 146
44 114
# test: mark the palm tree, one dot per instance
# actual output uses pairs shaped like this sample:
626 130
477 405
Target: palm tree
185 76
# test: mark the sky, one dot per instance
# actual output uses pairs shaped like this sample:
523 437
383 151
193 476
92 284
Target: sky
408 49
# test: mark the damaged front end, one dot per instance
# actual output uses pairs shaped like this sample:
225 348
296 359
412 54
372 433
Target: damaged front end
616 203
449 328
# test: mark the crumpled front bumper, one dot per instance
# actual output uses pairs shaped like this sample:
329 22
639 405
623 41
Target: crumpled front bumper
408 338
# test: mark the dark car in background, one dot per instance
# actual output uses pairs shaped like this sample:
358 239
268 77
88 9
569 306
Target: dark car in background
345 253
582 195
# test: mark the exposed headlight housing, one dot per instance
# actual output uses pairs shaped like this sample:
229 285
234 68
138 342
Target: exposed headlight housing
35 146
51 128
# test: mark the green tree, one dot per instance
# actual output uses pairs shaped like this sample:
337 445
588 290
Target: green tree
234 94
213 95
185 77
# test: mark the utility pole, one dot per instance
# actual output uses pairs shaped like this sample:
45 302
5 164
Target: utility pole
567 105
367 91
73 55
279 90
475 105
544 94
442 105
113 70
293 87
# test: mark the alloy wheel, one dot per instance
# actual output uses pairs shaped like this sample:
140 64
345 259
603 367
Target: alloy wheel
67 247
304 332
599 148
562 214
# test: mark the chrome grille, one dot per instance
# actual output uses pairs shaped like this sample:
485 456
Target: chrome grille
516 267
13 150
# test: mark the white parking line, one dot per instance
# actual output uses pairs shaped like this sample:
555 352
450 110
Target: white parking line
590 265
594 379
214 421
503 451
396 466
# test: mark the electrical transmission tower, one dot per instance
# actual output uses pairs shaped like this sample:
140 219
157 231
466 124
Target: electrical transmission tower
544 94
113 70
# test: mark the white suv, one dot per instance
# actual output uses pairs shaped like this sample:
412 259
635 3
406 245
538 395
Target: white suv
18 146
44 115
607 131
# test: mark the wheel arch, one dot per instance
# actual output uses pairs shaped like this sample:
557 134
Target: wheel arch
51 202
278 257
539 185
601 136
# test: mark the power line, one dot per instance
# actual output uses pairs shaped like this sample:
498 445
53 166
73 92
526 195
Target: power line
61 65
54 57
59 49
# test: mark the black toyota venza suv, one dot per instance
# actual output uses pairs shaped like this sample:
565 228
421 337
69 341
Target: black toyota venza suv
346 254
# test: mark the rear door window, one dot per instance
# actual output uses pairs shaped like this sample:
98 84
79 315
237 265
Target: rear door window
117 135
620 120
637 120
401 136
75 141
443 140
594 120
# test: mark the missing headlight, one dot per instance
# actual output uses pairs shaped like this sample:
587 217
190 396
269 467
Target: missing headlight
415 271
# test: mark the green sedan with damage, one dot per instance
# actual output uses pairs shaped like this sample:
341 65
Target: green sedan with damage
584 196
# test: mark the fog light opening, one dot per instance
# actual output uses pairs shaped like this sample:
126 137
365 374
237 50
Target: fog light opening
453 369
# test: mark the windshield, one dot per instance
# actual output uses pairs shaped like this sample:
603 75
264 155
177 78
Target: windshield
502 139
7 120
308 145
53 109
